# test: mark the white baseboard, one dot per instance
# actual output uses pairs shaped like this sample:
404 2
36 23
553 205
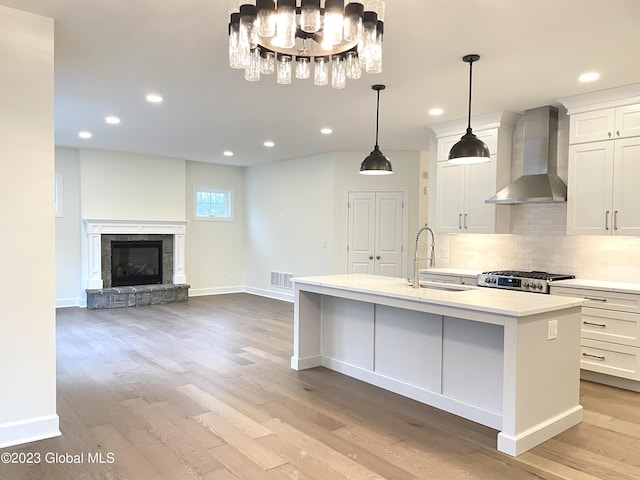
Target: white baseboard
30 430
69 302
202 292
286 297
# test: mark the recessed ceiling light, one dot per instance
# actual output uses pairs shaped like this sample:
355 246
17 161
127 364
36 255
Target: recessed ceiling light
85 135
326 131
436 111
589 77
228 153
269 144
154 98
112 120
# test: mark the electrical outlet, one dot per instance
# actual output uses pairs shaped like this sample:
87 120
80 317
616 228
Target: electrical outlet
552 329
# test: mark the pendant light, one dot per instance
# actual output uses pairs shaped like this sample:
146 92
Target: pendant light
470 149
376 162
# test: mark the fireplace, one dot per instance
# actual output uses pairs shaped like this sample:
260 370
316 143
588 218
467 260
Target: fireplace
136 262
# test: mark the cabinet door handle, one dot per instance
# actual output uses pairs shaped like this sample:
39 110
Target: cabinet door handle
597 357
602 325
370 257
618 132
459 221
596 299
606 220
465 221
378 257
609 133
615 219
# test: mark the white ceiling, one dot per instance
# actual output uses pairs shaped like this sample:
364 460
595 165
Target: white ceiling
110 53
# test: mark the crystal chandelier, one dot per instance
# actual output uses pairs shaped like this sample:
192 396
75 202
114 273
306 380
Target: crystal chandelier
337 42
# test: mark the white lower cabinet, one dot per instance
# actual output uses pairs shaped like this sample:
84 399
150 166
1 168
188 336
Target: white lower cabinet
610 338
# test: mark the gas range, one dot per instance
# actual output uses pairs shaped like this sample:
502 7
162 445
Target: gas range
536 282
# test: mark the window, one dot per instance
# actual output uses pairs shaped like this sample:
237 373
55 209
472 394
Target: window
212 203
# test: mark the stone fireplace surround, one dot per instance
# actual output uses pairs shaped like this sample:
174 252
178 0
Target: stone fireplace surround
100 295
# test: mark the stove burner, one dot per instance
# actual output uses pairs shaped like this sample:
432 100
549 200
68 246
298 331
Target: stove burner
533 281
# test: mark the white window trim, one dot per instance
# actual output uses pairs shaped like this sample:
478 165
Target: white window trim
208 188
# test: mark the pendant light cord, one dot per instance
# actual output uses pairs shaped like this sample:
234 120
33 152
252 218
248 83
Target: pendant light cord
377 118
470 79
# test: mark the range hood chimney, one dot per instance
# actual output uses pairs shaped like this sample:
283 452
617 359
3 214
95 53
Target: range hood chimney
539 182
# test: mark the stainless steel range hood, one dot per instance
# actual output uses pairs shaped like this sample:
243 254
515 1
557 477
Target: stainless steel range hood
540 182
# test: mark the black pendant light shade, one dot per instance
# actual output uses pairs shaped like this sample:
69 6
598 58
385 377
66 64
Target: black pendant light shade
376 163
470 149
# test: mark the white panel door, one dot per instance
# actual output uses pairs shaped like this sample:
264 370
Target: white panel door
388 234
375 233
362 227
626 194
590 189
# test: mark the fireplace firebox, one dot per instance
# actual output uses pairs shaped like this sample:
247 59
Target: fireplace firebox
136 262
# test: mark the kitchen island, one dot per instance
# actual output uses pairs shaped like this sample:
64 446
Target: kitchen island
505 359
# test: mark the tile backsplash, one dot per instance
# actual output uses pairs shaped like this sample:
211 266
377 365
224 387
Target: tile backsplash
538 241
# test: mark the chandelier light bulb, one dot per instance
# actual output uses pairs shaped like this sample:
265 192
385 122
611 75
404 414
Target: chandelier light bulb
333 21
353 14
310 19
338 73
286 23
303 68
284 70
321 71
267 63
266 17
252 70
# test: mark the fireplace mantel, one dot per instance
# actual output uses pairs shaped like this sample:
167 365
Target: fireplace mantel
96 228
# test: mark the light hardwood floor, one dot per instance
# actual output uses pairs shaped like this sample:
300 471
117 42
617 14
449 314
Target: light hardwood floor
203 390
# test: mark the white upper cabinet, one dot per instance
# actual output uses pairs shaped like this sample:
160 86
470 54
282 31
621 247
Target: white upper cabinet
604 162
461 190
606 124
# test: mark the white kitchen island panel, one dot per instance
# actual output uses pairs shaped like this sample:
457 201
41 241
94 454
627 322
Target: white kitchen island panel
419 361
350 341
497 365
472 360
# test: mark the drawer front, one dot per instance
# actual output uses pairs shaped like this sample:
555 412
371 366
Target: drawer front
611 326
611 359
602 299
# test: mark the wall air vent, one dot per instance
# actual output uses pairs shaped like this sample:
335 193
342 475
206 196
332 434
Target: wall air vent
281 279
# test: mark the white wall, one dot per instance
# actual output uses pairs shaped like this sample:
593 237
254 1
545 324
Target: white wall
27 287
297 212
290 216
215 250
406 177
68 230
128 186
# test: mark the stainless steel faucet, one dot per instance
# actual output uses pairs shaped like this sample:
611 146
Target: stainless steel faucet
416 260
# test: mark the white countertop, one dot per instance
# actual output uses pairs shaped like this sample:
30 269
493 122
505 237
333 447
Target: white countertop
622 287
488 300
